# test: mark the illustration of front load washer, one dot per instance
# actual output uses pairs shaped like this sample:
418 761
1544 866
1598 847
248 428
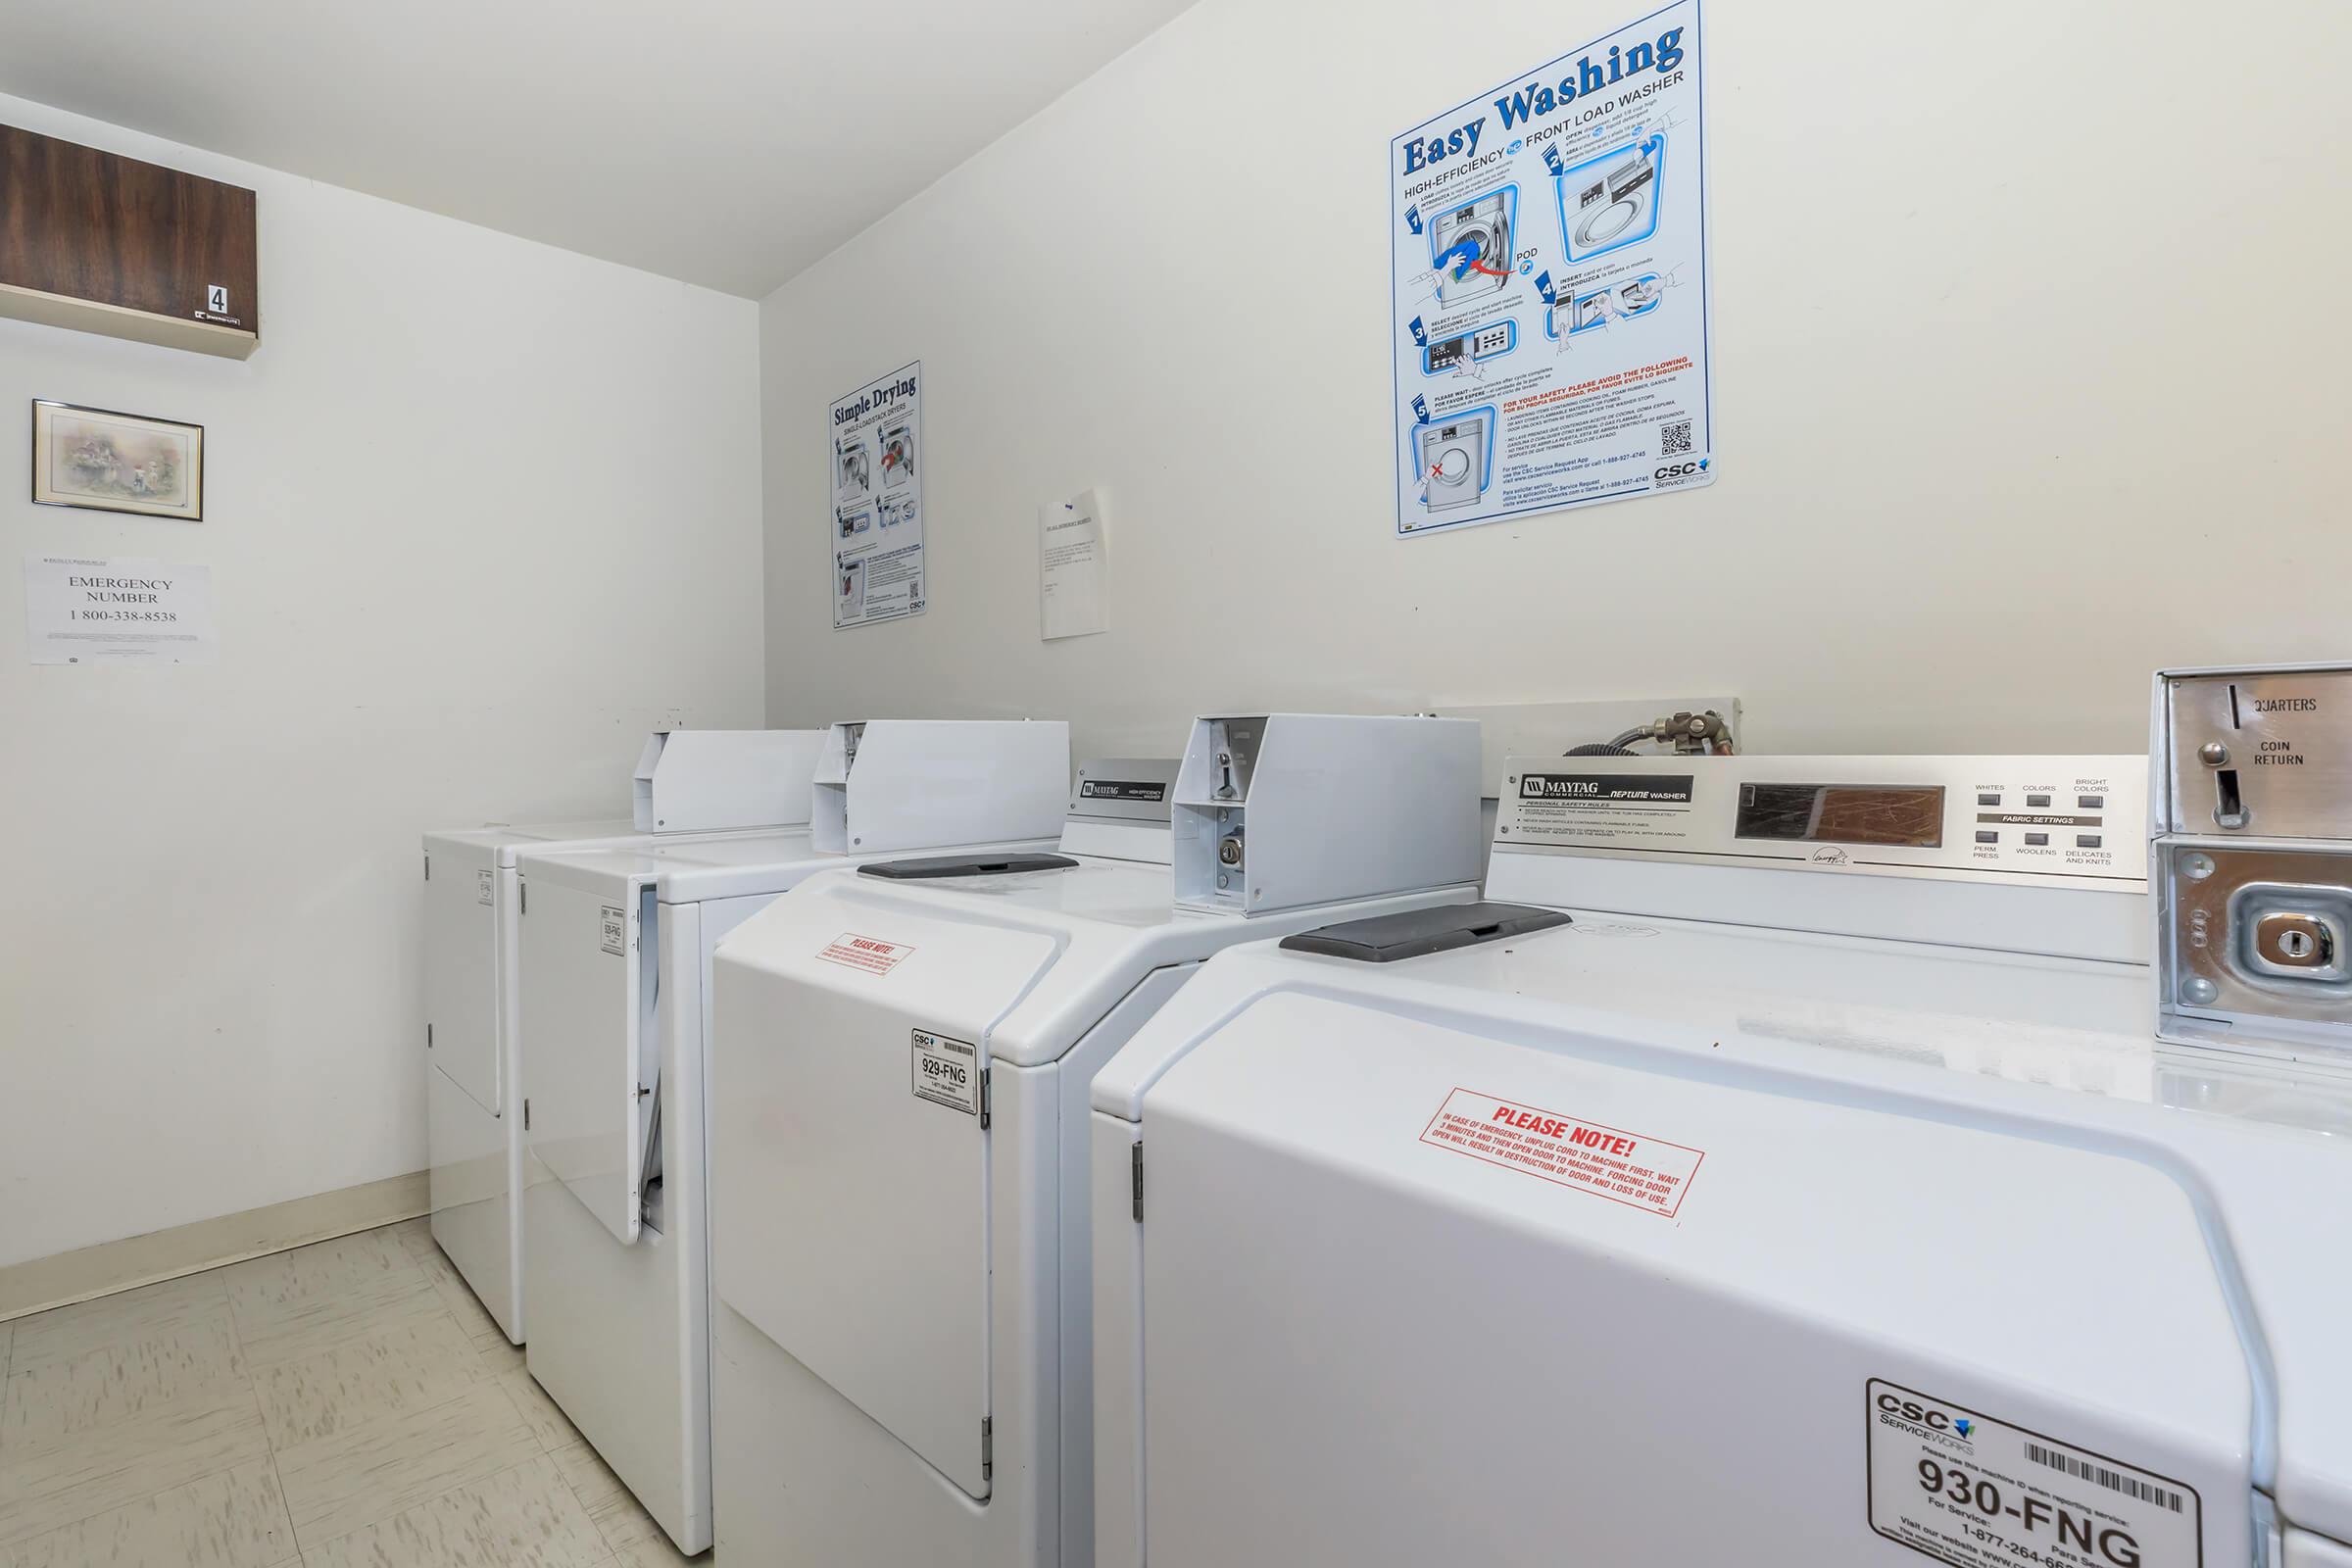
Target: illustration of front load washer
898 455
1614 206
1454 461
1482 230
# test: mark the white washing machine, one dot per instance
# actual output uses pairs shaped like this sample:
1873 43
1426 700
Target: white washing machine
613 982
1454 459
1813 1194
703 781
899 1170
1482 230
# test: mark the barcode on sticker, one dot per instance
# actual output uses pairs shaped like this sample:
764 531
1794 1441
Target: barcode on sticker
2100 1475
1673 439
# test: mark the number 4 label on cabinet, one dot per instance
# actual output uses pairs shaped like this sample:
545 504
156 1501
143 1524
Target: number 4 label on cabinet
947 1072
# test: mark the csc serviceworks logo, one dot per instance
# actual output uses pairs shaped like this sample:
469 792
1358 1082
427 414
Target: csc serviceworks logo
1670 474
1914 1412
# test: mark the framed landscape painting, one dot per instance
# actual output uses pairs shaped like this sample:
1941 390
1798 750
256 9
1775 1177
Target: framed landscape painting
109 461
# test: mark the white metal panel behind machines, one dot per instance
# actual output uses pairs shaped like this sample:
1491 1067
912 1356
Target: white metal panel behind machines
1649 1239
889 785
719 780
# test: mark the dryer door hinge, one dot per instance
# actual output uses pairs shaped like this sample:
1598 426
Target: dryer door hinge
985 1108
428 868
526 1115
1135 1161
988 1448
522 897
428 1037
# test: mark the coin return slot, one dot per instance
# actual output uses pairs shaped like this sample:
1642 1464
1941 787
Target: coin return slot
2228 808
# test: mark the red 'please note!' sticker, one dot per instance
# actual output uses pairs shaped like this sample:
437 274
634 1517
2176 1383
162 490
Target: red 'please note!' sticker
1624 1167
870 953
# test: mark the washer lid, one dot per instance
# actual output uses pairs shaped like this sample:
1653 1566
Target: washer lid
1483 1232
2049 1053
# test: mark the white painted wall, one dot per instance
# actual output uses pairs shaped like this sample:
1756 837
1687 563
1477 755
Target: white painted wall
478 512
2028 337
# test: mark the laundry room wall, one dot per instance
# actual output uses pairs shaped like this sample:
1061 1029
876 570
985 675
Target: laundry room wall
478 512
2025 329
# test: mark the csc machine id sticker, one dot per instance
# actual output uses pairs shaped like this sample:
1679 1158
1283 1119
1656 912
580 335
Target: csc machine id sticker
1962 1488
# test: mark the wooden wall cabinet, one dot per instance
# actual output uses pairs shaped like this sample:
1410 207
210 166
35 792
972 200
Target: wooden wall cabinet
102 243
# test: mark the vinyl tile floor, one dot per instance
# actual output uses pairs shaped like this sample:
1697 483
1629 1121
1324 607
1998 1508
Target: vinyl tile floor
343 1405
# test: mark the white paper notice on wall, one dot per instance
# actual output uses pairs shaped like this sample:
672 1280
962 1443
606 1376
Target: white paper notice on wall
125 610
1072 567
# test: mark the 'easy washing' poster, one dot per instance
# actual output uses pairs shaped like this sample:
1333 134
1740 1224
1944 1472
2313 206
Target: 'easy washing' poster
1552 287
875 525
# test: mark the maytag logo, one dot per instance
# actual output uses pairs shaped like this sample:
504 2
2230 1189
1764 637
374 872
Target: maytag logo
1543 786
1640 789
1120 790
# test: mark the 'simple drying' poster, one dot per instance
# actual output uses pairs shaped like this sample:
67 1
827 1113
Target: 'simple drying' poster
1552 287
876 520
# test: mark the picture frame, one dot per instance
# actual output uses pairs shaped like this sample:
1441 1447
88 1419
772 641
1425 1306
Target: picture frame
102 460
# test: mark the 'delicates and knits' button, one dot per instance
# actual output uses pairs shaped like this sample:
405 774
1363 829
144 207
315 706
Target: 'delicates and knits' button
2089 841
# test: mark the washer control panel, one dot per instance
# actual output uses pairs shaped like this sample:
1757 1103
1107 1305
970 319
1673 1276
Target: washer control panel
2001 818
1470 347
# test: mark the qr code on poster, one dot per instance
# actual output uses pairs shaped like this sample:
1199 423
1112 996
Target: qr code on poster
1673 439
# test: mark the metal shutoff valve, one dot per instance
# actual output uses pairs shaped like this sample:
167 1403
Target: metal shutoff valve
1689 734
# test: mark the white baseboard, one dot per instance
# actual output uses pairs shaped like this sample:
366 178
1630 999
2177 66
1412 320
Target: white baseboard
101 1270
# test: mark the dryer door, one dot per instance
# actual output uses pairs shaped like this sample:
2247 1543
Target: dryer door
588 994
461 968
850 1158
